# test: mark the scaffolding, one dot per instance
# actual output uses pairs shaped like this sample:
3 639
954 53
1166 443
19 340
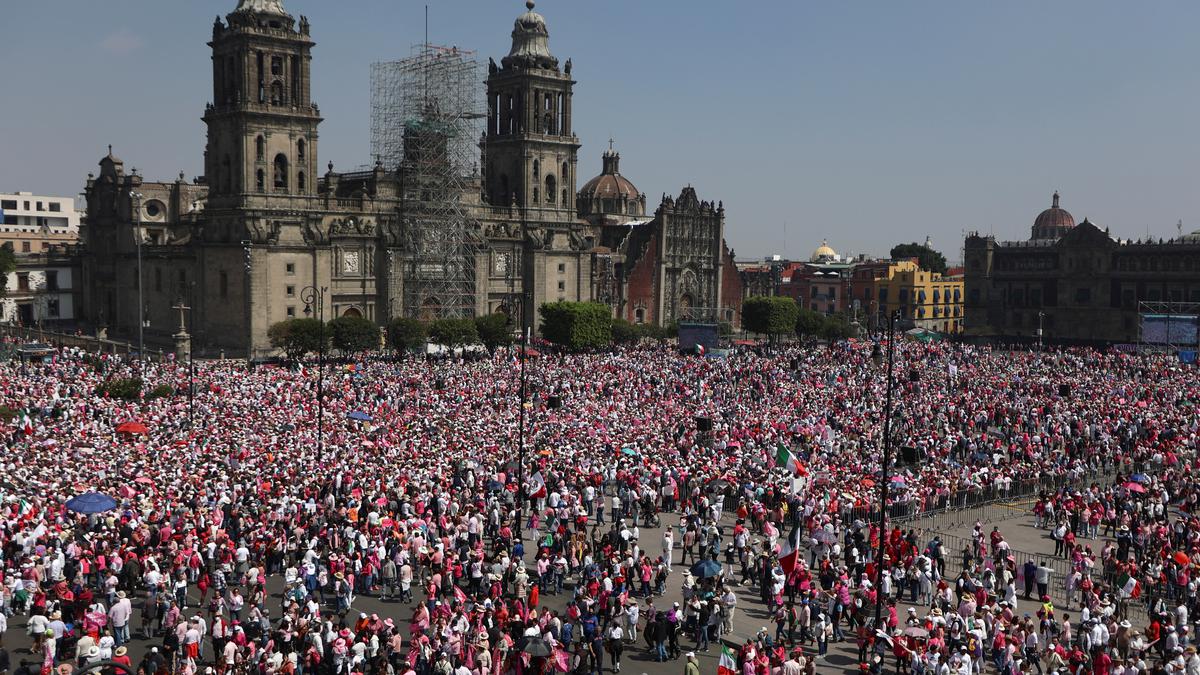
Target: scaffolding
1168 326
425 116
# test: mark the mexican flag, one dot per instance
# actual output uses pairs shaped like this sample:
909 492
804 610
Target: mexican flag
728 663
784 458
1130 587
789 551
537 486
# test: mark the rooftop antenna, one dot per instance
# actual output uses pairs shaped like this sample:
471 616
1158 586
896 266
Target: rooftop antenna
1179 227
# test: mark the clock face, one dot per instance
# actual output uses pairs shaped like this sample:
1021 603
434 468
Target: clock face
350 262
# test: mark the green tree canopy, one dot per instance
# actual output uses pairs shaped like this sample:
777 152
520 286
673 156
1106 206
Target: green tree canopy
354 334
927 258
297 337
577 326
8 263
809 323
836 328
495 330
770 315
624 332
407 334
654 331
453 333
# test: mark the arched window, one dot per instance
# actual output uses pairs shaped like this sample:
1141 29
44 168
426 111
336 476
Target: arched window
563 173
260 180
300 148
260 149
535 195
537 169
564 197
301 184
226 174
639 315
281 172
551 188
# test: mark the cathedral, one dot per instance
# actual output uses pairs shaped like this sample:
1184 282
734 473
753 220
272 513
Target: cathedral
243 246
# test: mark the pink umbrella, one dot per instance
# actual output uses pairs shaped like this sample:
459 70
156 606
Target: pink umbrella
1135 487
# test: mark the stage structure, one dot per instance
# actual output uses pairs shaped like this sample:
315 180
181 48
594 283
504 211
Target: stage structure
1168 326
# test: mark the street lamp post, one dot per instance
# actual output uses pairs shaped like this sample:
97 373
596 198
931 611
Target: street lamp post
312 296
1041 315
521 436
135 202
877 356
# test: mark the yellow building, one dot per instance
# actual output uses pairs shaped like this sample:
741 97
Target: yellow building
926 299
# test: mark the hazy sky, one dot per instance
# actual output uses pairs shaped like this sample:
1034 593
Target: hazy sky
866 123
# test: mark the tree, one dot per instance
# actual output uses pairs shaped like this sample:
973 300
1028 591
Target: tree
495 330
624 332
297 337
453 333
927 258
354 334
809 323
770 315
654 331
577 326
8 263
836 328
407 334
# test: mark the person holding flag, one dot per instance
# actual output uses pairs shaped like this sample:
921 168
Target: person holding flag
786 460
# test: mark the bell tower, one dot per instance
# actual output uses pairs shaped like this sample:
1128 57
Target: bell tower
262 123
529 148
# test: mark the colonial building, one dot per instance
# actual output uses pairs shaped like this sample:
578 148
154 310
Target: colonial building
34 223
242 244
42 290
1077 283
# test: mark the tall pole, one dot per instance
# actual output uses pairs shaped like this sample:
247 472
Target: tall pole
191 359
314 302
1041 315
887 459
135 201
521 436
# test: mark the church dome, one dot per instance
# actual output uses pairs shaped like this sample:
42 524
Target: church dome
823 253
1053 222
610 193
610 182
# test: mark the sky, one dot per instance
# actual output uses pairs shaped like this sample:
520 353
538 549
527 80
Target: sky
862 123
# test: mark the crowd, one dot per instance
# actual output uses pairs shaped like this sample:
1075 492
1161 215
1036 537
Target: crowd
243 542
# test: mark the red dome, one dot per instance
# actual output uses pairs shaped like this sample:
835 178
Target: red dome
1053 222
609 185
610 182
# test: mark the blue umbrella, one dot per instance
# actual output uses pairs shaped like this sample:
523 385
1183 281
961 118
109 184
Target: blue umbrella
91 502
360 416
629 451
1140 477
706 569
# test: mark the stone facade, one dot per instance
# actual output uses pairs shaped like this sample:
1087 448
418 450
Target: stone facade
241 244
1081 286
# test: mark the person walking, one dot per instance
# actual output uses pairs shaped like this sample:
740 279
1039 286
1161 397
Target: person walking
615 644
